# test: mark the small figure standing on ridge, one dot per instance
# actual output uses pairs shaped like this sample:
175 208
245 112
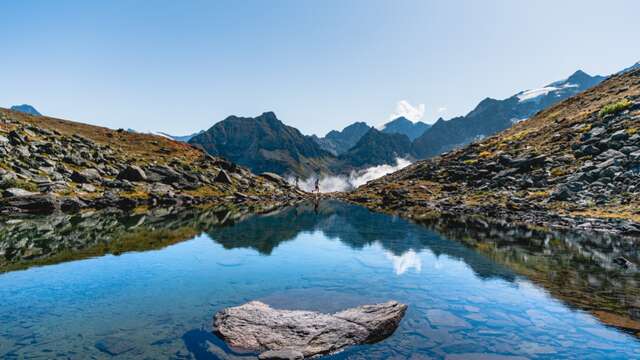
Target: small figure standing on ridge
297 181
317 189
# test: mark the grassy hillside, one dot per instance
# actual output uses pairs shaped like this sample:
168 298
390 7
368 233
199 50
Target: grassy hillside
576 164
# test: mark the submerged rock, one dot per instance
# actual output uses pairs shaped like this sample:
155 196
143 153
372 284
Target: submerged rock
258 327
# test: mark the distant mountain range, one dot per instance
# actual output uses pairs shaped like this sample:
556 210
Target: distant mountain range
340 142
26 108
492 116
265 143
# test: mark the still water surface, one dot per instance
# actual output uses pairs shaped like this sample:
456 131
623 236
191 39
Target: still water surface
81 301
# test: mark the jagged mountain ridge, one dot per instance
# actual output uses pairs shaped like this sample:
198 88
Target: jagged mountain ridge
264 144
491 116
404 126
339 142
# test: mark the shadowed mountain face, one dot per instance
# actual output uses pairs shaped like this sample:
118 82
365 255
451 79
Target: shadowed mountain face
339 142
25 108
406 127
264 144
492 116
376 148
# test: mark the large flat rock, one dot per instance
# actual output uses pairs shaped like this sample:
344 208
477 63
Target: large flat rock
257 327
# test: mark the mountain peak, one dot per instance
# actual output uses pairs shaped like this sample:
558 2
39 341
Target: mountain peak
578 77
402 125
25 108
269 115
400 119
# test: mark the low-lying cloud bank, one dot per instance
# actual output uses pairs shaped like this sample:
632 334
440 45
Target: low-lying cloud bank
355 179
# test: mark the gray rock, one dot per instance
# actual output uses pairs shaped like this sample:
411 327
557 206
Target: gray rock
34 204
132 173
114 345
223 177
88 188
86 176
274 178
258 327
562 193
17 192
610 154
629 149
281 355
71 205
619 135
589 150
161 189
597 131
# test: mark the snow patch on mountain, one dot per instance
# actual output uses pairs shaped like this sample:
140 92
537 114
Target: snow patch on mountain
535 93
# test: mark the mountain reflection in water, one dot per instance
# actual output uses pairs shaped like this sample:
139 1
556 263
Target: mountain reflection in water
579 269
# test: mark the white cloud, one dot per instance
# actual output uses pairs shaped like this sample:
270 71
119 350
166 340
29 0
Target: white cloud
408 260
442 110
403 108
355 179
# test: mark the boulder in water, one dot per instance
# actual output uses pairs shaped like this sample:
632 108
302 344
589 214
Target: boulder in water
258 327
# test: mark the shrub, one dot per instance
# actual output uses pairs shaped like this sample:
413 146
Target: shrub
485 154
585 128
557 172
615 107
470 161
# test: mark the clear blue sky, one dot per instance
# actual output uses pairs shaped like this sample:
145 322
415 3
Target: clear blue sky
181 66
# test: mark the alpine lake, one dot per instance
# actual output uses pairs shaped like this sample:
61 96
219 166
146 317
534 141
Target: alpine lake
107 285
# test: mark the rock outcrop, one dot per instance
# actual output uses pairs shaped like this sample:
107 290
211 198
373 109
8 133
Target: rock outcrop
296 334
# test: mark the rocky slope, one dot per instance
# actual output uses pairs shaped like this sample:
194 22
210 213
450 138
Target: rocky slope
264 143
48 165
576 164
492 116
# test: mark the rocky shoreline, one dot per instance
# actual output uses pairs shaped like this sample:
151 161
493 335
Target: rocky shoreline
49 165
